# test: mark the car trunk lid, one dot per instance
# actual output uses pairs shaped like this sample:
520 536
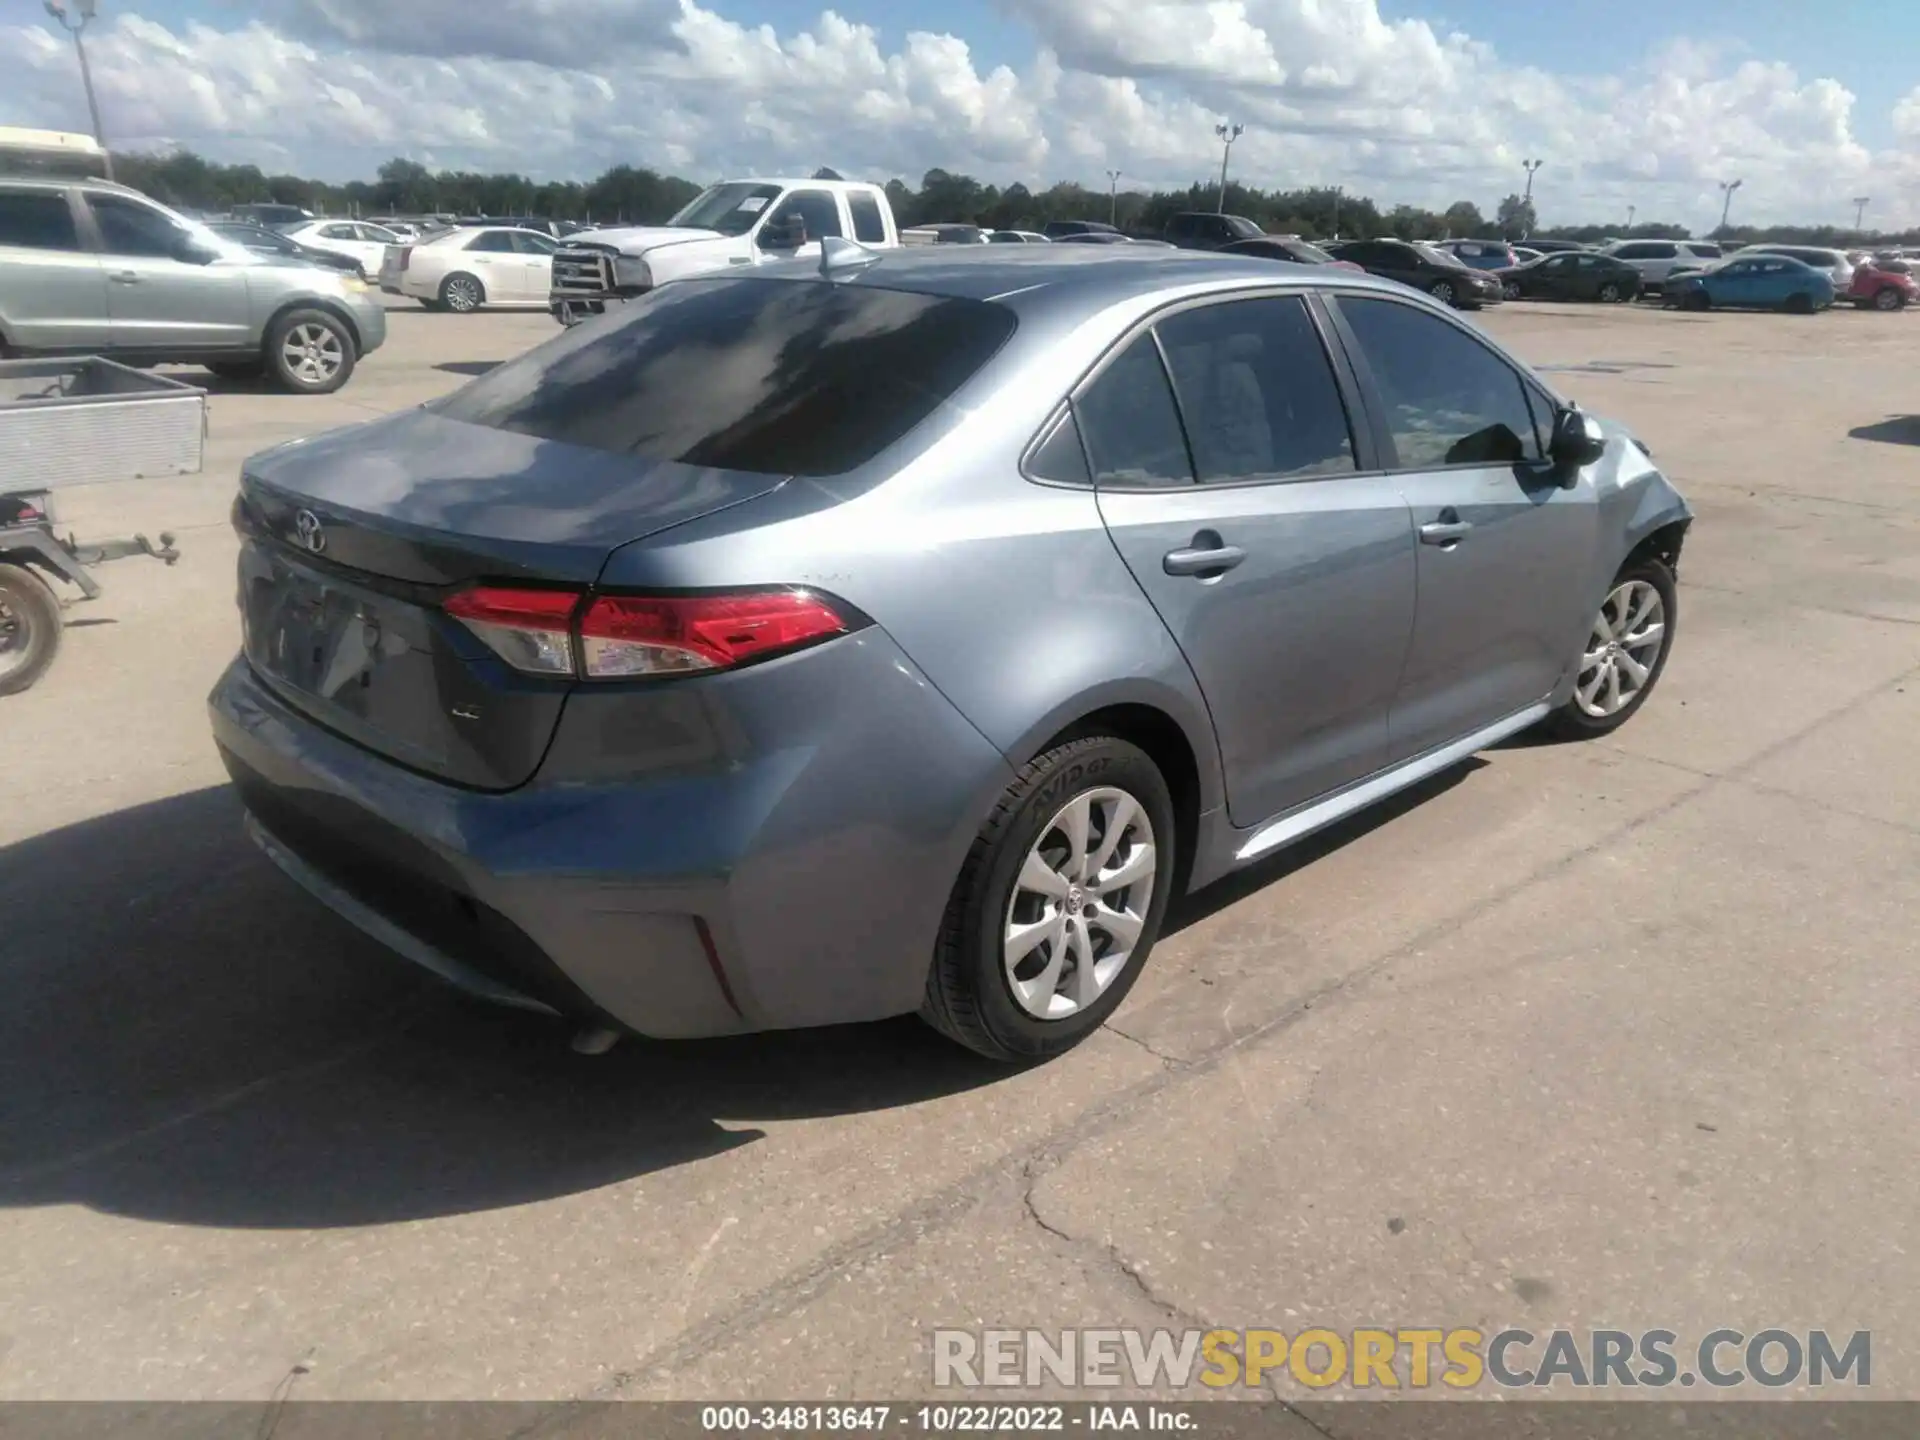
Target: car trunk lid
352 543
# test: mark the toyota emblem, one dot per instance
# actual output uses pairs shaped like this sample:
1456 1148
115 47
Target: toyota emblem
310 532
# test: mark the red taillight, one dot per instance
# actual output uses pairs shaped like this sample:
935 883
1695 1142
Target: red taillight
529 629
623 635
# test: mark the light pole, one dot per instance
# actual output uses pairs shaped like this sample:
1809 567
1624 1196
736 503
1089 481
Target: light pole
1727 187
1113 197
1228 134
1336 210
75 20
1860 212
1530 166
1630 214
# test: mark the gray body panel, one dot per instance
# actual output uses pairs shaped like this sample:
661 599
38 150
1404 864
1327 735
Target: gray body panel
811 813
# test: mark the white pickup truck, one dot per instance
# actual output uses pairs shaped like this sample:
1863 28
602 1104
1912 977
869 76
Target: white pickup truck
733 224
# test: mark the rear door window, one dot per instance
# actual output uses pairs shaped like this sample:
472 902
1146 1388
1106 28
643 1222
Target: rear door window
868 224
37 220
768 376
1257 392
1130 425
493 242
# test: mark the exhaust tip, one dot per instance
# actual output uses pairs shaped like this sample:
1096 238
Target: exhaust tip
594 1040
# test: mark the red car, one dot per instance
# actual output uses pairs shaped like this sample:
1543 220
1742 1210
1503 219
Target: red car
1883 285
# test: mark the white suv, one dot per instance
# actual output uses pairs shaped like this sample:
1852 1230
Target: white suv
1657 259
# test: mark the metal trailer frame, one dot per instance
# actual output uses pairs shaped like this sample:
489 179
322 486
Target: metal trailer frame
65 423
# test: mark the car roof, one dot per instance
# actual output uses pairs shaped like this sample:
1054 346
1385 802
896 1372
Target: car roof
1070 281
71 182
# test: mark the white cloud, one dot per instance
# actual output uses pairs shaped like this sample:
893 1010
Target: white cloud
1330 91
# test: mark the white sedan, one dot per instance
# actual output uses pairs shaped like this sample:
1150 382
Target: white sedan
355 239
476 265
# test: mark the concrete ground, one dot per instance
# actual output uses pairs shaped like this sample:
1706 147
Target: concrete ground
1624 1034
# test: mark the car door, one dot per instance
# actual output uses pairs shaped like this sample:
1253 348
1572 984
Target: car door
1554 277
492 258
53 293
158 300
1236 489
536 264
1503 543
1737 283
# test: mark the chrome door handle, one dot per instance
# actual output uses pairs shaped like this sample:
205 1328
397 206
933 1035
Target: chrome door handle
1444 532
124 277
1214 561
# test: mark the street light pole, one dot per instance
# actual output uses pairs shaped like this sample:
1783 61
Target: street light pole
1228 134
1727 187
1630 215
75 22
1113 197
1530 166
1860 211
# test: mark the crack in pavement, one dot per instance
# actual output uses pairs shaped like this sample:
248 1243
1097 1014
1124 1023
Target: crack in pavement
1106 1252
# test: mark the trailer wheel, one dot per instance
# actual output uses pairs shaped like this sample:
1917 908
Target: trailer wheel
29 628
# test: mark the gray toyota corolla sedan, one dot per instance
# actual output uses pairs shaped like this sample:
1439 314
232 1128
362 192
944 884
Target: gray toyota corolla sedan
904 632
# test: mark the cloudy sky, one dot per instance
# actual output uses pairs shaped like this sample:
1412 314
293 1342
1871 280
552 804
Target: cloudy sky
1647 103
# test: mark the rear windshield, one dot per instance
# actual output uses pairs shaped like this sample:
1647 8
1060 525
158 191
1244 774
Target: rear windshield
778 377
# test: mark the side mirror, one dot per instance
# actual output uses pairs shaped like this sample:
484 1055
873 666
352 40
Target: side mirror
785 235
1577 441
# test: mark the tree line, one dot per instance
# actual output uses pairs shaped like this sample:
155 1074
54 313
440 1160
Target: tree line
633 194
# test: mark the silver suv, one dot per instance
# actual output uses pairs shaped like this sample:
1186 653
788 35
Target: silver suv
1656 260
91 268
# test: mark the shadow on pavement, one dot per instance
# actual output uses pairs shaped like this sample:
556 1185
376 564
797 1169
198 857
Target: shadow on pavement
188 1038
468 367
1192 909
1894 430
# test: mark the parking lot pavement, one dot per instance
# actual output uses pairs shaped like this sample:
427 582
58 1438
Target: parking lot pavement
1618 1034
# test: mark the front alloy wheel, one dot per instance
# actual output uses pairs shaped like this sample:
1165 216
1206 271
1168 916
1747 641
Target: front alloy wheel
1625 651
1609 294
1628 636
1511 290
1442 290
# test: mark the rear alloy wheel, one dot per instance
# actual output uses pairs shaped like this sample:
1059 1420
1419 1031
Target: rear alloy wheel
29 628
310 351
462 294
1610 293
1888 298
1058 904
1442 290
1625 651
1511 290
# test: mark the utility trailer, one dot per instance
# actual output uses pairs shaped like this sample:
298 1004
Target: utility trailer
66 423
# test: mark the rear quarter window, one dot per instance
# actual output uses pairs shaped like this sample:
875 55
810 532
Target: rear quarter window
770 376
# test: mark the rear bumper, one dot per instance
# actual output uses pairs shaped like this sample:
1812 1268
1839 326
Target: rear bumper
730 886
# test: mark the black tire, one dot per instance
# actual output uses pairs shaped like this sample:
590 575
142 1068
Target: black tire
1443 291
29 628
331 344
1801 304
969 998
1570 722
1697 300
462 293
1510 290
237 369
1610 294
1888 298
